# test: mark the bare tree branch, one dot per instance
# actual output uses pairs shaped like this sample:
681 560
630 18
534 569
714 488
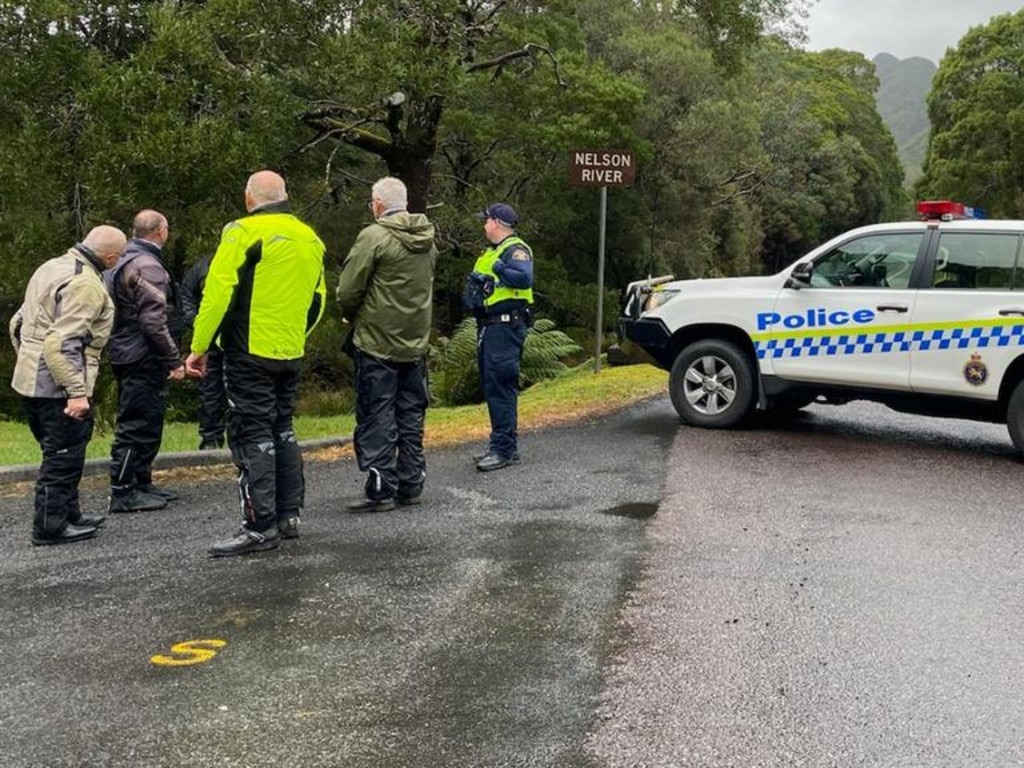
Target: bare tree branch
351 133
739 189
320 137
78 208
530 50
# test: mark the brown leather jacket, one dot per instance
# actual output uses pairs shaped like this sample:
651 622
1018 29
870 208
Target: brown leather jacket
147 317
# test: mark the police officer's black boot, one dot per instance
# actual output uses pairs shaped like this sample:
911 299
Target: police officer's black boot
478 457
494 460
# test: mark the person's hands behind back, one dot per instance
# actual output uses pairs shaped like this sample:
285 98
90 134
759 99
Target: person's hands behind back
195 365
77 407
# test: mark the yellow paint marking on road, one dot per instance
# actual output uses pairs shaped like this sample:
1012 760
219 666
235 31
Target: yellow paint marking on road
188 653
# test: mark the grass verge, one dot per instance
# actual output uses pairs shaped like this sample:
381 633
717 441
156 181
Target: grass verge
579 394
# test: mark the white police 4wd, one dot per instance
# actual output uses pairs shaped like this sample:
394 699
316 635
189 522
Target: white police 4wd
926 317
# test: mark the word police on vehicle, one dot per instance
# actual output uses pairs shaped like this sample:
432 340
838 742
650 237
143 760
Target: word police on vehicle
814 318
925 316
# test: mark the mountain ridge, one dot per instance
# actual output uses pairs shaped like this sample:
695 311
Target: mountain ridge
901 100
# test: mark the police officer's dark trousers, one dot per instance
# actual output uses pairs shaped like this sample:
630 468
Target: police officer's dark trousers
391 404
141 403
63 441
212 401
261 402
499 352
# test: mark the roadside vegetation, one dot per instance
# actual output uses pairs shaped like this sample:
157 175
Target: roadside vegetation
576 394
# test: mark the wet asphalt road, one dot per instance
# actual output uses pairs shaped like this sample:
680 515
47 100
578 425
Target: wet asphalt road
467 632
843 589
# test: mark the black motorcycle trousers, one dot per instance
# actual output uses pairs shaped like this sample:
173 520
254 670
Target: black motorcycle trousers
261 403
391 404
141 403
213 402
63 441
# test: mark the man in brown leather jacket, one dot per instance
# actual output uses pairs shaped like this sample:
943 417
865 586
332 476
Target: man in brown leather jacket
143 354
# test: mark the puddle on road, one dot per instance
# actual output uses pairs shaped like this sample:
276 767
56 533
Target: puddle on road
635 510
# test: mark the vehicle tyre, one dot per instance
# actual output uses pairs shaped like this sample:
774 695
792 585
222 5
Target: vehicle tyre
712 384
1015 416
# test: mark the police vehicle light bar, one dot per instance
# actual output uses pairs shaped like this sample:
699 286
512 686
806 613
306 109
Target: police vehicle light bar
947 210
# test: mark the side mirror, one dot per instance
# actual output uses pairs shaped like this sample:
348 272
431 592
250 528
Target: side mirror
800 276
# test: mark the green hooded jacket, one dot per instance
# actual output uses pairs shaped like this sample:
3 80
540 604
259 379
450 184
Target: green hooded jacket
386 288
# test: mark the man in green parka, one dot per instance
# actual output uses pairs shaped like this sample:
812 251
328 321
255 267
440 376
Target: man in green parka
386 291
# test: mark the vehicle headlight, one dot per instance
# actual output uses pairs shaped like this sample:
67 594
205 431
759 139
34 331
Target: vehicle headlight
658 298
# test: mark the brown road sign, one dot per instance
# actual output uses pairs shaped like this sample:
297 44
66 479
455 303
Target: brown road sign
602 168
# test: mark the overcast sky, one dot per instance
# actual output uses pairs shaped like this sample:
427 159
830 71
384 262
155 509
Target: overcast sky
904 28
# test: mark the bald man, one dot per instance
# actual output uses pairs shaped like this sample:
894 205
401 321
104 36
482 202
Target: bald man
144 355
59 332
264 294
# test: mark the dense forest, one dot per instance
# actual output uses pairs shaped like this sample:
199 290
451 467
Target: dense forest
750 150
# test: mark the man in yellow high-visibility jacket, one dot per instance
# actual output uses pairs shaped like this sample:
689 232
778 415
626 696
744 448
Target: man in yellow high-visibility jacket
264 294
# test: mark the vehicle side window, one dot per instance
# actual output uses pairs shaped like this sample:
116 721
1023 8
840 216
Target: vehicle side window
876 261
976 261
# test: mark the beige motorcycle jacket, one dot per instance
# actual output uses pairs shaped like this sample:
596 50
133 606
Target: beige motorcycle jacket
61 328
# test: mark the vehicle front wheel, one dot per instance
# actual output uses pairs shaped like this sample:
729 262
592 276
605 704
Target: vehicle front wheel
712 384
1015 416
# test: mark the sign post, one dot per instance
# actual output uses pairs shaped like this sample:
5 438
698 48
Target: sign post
601 168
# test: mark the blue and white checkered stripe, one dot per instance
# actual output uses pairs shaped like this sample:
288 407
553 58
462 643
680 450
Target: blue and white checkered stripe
891 341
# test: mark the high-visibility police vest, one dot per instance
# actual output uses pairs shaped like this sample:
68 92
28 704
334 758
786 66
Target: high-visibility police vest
486 261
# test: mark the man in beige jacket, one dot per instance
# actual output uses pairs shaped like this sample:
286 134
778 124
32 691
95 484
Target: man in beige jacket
59 332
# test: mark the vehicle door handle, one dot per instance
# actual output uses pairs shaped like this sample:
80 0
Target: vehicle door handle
901 308
1005 312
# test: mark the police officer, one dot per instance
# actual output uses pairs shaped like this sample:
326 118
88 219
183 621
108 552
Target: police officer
264 294
500 291
59 332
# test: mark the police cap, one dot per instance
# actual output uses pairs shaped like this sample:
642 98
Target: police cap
503 213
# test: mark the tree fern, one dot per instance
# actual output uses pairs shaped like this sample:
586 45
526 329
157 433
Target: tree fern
543 352
455 380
